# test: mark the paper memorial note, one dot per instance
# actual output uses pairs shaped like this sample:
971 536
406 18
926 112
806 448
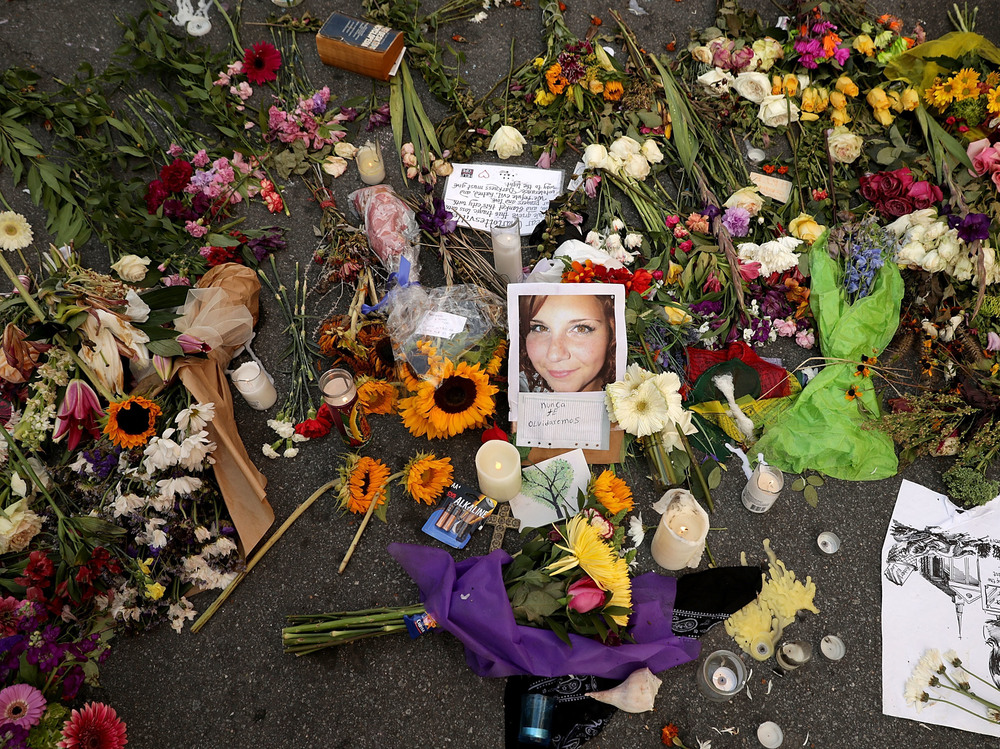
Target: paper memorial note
486 195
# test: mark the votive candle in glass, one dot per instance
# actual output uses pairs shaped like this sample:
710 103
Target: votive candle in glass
498 465
763 488
341 395
722 675
255 386
371 167
507 251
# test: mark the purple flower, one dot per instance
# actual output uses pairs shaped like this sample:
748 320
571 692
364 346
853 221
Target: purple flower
974 226
272 241
379 118
841 55
438 221
710 211
737 221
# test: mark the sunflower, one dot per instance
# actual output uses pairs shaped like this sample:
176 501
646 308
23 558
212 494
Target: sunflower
966 82
586 550
376 396
993 100
362 481
406 375
427 476
613 90
459 398
131 422
15 231
612 492
495 362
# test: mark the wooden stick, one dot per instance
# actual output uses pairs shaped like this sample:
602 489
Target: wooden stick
357 536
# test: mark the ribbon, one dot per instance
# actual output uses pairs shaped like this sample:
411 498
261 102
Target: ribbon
397 280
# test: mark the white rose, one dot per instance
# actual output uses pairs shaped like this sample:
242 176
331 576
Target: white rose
345 150
935 231
334 166
963 268
507 142
652 152
595 156
804 81
747 198
777 111
766 52
932 262
702 54
916 234
948 248
131 268
844 146
613 164
753 86
716 81
625 147
636 167
900 226
911 254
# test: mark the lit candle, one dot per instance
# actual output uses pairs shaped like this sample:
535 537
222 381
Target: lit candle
341 395
255 386
769 734
507 251
370 164
828 542
722 675
680 536
763 488
498 464
792 655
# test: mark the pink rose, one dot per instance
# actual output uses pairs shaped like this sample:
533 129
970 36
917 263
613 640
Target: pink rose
996 178
785 328
924 194
805 338
982 155
584 595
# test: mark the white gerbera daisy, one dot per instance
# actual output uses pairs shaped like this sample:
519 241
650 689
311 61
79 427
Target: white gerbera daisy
643 412
195 418
15 231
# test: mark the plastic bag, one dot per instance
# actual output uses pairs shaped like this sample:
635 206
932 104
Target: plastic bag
824 431
390 224
456 323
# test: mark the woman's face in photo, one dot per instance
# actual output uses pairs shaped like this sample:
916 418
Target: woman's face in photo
567 342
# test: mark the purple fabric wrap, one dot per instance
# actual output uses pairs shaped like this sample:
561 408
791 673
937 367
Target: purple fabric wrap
468 599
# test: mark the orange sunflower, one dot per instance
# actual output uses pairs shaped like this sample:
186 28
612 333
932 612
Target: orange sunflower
612 492
131 422
495 362
376 396
459 398
366 480
427 476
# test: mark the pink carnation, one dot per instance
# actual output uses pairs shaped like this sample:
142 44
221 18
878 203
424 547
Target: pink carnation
195 229
784 328
805 338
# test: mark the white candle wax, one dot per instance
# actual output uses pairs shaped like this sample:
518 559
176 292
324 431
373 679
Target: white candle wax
507 252
763 488
833 647
769 734
680 536
339 389
255 386
498 465
370 164
724 679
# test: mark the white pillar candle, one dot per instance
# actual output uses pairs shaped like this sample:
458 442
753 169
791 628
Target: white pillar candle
680 536
763 488
769 734
255 386
370 164
498 465
507 251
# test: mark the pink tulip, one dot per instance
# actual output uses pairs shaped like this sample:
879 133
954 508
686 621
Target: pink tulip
584 596
78 413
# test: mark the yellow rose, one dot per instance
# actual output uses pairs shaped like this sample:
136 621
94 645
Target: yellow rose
895 101
806 228
846 86
838 100
543 98
673 274
776 85
791 84
910 99
884 117
877 99
839 117
595 86
864 44
675 315
815 99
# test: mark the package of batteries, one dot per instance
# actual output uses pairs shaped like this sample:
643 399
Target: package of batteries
460 513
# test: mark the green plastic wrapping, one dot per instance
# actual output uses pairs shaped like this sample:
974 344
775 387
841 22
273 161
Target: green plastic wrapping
823 431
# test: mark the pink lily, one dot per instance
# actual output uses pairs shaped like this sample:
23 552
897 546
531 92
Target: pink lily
78 413
192 345
712 284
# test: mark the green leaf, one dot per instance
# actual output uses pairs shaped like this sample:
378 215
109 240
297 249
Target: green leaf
168 296
815 480
811 495
165 348
714 478
221 240
798 485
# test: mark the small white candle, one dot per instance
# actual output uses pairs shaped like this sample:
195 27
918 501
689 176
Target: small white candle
833 647
769 734
724 679
507 251
498 465
680 536
255 386
763 488
370 164
828 542
339 388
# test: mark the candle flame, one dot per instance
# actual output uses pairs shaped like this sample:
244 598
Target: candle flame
683 530
499 465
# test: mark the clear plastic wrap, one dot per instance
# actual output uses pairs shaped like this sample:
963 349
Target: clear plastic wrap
391 226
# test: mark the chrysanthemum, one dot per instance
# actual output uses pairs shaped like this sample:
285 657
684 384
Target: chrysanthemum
376 396
613 90
261 62
131 422
612 492
643 411
993 100
22 705
15 231
966 82
427 476
461 399
366 480
96 726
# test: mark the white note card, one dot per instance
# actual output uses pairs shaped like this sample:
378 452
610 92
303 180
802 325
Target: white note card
441 325
576 420
486 195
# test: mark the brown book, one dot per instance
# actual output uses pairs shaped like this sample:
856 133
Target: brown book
359 46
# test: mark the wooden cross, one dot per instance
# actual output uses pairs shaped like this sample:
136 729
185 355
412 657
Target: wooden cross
501 520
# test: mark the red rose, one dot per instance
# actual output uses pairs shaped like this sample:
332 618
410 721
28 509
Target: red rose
156 193
312 428
904 175
871 187
176 176
584 595
924 194
897 206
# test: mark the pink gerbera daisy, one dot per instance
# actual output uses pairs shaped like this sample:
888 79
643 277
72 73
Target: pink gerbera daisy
261 62
96 726
22 705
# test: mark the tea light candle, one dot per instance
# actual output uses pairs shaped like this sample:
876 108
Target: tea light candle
507 251
756 155
828 542
763 488
724 679
370 164
341 395
769 734
498 465
680 536
255 386
833 647
722 675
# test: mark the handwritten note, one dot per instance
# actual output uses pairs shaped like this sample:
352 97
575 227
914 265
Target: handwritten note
563 420
441 324
772 187
485 195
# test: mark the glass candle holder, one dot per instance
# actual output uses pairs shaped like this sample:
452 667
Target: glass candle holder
341 395
536 719
507 251
255 386
833 647
722 675
371 167
792 655
763 488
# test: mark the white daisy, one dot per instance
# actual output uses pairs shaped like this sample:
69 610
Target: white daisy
195 418
643 412
635 530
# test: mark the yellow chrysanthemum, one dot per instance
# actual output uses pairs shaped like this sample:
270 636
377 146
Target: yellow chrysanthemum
131 422
155 591
15 231
966 83
427 476
585 549
992 79
612 492
365 480
460 397
993 100
376 396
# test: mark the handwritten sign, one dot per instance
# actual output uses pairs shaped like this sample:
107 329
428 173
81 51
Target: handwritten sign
772 187
563 420
486 195
441 324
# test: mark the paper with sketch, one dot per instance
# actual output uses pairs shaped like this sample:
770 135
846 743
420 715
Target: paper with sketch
486 195
562 420
940 590
550 490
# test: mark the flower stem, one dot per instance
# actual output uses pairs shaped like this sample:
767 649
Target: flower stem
28 299
229 22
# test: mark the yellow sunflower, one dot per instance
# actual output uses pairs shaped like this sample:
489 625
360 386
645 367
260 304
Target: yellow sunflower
15 231
939 96
586 549
612 492
966 83
459 398
131 422
494 364
427 476
376 396
364 480
992 79
993 100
